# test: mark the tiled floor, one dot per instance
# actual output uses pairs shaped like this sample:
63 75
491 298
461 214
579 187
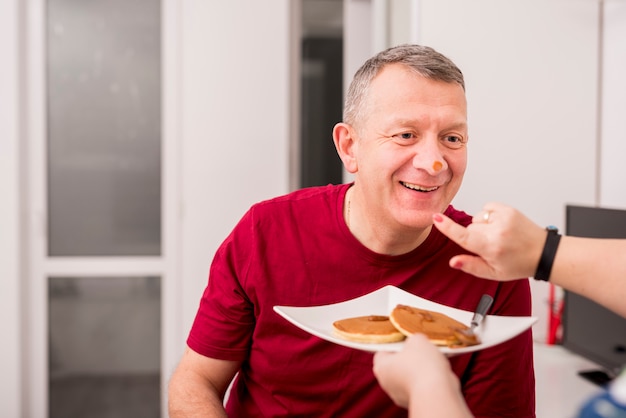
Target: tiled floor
560 390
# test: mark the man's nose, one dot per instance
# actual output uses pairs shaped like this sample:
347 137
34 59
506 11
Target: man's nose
428 157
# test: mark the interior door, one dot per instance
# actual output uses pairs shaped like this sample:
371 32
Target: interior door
102 300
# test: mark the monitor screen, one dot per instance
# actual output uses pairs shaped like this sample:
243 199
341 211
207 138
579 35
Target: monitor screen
589 329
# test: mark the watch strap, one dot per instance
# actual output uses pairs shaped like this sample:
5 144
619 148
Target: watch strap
544 268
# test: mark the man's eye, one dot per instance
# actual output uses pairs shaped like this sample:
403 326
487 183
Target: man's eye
454 141
405 136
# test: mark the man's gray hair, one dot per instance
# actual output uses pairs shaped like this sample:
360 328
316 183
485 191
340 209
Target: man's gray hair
423 60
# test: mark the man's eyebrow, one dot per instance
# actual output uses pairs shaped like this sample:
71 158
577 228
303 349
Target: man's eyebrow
458 125
416 121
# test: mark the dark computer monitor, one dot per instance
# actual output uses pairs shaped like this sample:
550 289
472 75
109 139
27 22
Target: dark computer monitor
589 329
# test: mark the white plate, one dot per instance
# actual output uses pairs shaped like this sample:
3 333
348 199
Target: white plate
318 320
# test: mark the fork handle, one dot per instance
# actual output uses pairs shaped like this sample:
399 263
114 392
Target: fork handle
482 308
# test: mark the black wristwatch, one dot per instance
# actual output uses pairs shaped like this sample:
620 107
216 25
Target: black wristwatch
547 255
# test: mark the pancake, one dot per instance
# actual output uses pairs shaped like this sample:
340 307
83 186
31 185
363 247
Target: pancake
368 329
440 329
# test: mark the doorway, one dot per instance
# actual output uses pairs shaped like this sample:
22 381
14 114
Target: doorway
321 101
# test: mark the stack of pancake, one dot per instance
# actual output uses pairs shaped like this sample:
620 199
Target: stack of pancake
403 321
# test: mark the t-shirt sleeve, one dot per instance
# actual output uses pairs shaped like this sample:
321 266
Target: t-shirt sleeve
224 322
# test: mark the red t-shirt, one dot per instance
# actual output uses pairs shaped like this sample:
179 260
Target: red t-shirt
296 250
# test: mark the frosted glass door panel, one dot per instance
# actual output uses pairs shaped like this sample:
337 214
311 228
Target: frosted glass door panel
104 347
104 127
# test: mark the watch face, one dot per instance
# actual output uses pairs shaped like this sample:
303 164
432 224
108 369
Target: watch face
552 228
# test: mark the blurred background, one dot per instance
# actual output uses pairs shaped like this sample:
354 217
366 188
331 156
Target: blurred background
135 133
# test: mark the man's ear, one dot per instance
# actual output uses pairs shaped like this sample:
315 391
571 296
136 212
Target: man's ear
344 137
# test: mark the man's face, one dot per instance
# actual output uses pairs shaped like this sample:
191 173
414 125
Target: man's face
410 151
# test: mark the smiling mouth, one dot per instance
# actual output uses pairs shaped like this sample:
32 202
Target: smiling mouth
418 188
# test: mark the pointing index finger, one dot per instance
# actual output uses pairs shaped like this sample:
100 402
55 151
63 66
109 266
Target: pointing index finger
452 230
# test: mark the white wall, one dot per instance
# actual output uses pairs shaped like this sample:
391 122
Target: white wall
235 117
531 75
613 145
10 295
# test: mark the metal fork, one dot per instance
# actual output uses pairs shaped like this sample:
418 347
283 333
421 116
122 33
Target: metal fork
479 314
481 310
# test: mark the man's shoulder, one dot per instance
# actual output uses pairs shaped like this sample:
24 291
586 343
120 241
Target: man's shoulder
458 216
306 195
